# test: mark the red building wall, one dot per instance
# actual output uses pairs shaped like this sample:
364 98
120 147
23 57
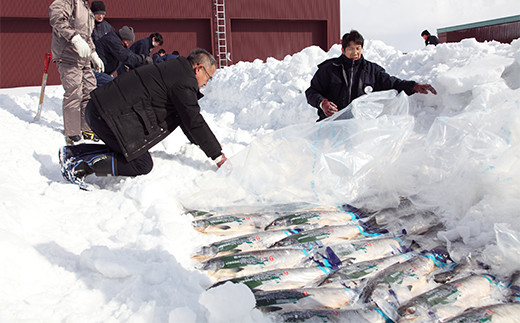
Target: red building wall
255 29
277 39
274 28
23 44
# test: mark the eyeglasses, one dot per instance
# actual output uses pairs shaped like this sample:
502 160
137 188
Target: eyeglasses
209 76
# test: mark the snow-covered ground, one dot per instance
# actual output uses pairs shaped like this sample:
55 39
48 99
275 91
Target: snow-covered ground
122 252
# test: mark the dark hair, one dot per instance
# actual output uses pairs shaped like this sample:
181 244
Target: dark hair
352 36
161 51
425 33
176 53
200 56
158 38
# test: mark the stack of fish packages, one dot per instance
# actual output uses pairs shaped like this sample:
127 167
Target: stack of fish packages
343 264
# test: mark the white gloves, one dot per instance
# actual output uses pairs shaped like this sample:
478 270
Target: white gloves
97 63
84 51
81 46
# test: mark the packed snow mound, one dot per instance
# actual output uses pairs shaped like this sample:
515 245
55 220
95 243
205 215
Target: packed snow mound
122 252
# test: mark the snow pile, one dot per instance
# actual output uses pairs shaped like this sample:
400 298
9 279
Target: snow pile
122 253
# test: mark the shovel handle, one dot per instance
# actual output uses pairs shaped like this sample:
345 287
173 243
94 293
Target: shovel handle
47 62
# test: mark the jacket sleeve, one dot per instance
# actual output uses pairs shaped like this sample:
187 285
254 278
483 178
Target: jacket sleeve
314 92
101 30
385 81
139 47
126 56
60 14
185 99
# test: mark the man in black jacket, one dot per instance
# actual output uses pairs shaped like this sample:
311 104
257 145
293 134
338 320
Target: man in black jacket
139 109
429 39
146 45
113 50
143 47
102 26
338 81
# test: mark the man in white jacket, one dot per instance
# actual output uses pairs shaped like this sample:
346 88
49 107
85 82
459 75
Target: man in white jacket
73 51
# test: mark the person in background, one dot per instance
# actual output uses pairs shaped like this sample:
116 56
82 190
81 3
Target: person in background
102 27
113 50
158 54
73 51
167 57
146 45
143 47
139 109
429 39
338 81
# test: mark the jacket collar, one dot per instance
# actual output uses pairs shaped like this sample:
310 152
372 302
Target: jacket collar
189 69
346 62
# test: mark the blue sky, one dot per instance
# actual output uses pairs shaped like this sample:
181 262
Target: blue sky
400 22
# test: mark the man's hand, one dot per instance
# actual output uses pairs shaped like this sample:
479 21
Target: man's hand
81 46
220 160
146 59
97 63
423 88
329 108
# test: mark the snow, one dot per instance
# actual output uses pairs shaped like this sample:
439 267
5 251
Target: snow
123 251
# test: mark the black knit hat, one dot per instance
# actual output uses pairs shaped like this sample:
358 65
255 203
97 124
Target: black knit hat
98 7
127 33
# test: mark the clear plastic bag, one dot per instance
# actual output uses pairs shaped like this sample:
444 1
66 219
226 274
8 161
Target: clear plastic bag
375 105
328 162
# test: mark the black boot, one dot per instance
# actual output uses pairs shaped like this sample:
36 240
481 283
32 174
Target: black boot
77 162
100 164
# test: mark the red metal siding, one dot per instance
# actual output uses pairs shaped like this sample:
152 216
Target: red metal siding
180 9
23 44
322 10
261 39
25 8
287 26
276 9
116 8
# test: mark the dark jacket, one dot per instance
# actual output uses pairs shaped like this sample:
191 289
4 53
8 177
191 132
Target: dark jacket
164 58
341 80
101 29
432 40
113 52
142 46
143 106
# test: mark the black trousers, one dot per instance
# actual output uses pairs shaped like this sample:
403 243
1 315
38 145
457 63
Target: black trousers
139 166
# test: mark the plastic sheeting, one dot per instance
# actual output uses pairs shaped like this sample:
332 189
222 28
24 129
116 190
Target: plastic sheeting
465 167
328 162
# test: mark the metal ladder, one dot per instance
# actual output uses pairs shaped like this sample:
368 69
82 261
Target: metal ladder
220 30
